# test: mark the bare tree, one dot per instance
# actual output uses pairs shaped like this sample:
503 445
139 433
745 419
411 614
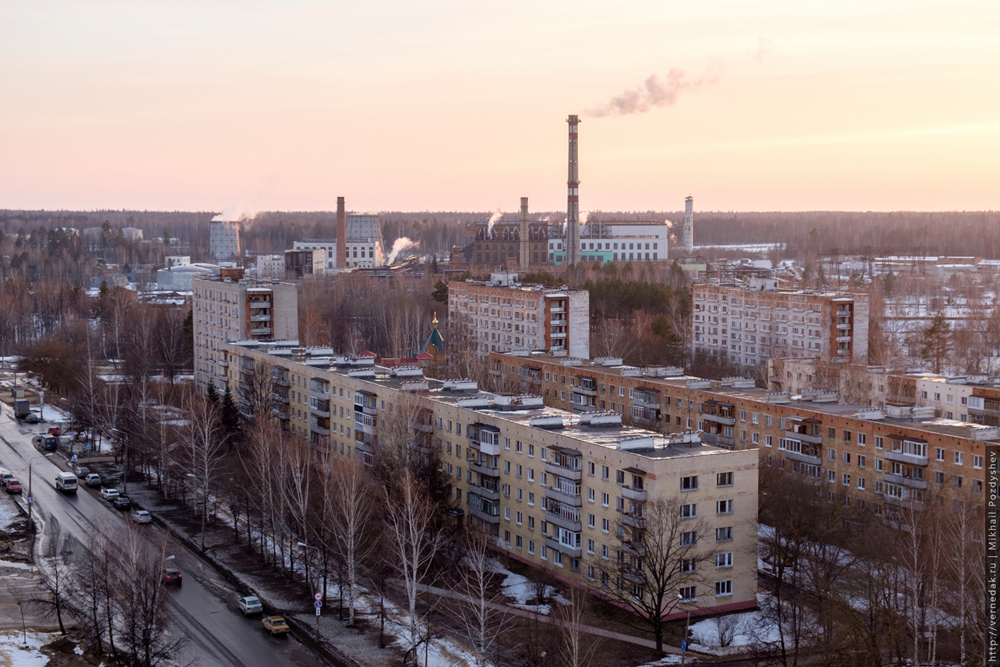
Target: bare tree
205 448
409 518
352 520
55 583
481 608
657 554
576 646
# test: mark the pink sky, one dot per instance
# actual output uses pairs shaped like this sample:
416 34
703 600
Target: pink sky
426 105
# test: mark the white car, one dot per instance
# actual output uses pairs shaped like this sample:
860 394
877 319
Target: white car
109 494
140 516
93 479
250 605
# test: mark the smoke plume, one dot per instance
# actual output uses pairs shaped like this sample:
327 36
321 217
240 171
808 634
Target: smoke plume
236 213
493 220
656 92
400 245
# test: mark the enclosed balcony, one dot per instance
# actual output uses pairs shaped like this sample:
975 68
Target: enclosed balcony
563 515
647 398
567 463
586 386
719 412
574 551
907 450
906 480
805 430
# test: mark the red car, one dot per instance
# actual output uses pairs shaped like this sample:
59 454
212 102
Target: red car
55 430
13 486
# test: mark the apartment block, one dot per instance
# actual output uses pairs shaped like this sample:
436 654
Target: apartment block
502 315
888 459
559 490
748 324
230 307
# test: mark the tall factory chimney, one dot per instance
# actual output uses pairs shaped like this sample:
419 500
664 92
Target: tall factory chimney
524 263
573 196
687 231
341 234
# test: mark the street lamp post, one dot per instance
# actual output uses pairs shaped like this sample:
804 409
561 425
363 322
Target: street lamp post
687 629
307 547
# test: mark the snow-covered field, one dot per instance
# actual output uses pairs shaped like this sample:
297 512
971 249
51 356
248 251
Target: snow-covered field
14 651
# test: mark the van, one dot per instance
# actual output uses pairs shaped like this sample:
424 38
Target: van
67 482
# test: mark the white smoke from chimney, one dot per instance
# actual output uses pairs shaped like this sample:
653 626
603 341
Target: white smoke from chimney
236 213
493 220
583 217
656 92
400 245
669 224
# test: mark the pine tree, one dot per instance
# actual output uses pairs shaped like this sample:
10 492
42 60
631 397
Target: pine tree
230 415
440 293
212 392
935 342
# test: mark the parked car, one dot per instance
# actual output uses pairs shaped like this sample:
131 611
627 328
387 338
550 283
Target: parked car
250 605
121 503
5 475
93 479
140 516
81 471
275 625
109 494
12 486
172 576
32 418
55 430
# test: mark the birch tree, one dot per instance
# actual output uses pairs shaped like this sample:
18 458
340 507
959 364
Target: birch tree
352 520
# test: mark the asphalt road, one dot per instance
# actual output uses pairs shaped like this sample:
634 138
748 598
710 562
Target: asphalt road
203 609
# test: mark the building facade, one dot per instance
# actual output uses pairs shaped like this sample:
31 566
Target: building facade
364 244
559 492
501 315
617 242
747 325
890 460
228 307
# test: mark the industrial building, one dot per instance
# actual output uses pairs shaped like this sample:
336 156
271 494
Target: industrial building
558 490
359 238
750 323
502 315
224 241
616 241
889 460
228 307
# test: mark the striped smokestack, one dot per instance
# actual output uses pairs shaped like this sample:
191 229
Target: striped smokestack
687 231
341 234
524 263
573 196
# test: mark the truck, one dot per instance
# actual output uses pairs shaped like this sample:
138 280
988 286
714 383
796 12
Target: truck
22 408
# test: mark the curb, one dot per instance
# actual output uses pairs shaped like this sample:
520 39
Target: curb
303 633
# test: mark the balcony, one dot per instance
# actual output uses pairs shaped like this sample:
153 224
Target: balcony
903 480
564 497
483 492
488 447
484 469
568 518
282 381
280 398
223 363
319 429
843 339
558 321
634 547
726 441
804 458
559 471
260 331
422 426
279 413
635 495
365 423
260 304
557 310
586 388
632 519
476 509
321 410
634 575
647 400
260 318
843 325
813 438
903 457
565 549
557 334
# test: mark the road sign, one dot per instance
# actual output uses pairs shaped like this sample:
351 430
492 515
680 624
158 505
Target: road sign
318 597
684 646
317 613
30 499
318 604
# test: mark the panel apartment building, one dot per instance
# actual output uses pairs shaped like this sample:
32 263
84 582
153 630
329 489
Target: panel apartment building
554 489
890 459
230 307
502 315
747 325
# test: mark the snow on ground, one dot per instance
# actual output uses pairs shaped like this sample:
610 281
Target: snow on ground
8 514
672 659
520 589
13 650
746 628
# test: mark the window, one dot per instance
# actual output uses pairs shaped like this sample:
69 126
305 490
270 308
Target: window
590 495
605 499
977 461
724 479
831 433
878 442
590 546
723 588
689 538
519 518
590 468
531 546
767 420
605 472
938 454
861 461
878 465
605 526
862 439
831 476
518 447
590 572
831 454
518 542
958 481
688 565
689 594
959 458
723 560
846 479
847 458
591 520
531 523
724 507
517 468
517 494
689 483
531 474
620 477
531 450
604 551
767 441
689 511
938 477
506 513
